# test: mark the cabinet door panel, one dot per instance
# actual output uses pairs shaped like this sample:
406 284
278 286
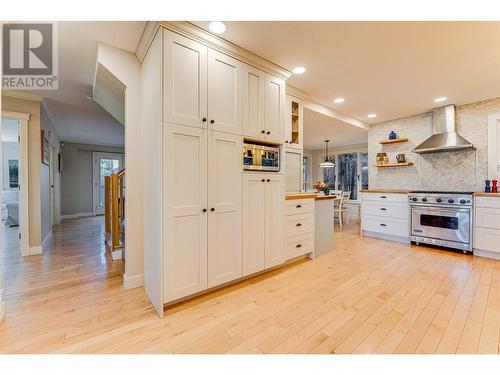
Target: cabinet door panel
224 93
275 109
185 81
185 182
253 224
254 91
225 196
293 172
274 198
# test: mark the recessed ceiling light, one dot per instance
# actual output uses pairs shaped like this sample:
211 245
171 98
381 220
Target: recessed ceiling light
339 100
299 70
217 27
440 99
371 115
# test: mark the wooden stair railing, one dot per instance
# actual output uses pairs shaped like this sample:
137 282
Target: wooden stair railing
115 213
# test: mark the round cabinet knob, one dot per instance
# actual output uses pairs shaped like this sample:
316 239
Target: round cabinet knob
212 121
263 180
204 119
286 141
263 132
268 180
204 210
463 201
451 201
424 199
268 133
212 209
414 199
439 200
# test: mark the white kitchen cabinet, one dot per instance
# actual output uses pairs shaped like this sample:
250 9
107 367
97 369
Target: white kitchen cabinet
487 227
263 201
294 138
293 171
224 208
224 93
254 91
275 109
185 197
299 227
184 80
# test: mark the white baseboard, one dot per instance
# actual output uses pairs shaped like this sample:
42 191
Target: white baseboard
36 250
25 250
133 281
486 254
77 216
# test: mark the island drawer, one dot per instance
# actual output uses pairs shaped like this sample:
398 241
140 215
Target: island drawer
298 245
299 224
299 206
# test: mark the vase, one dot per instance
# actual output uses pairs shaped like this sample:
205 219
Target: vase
392 135
326 192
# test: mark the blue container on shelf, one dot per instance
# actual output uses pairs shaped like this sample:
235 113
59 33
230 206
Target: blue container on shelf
392 135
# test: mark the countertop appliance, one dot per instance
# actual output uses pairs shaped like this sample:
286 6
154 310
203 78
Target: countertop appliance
442 218
261 158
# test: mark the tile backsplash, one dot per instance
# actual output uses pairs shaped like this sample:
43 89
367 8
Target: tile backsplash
457 170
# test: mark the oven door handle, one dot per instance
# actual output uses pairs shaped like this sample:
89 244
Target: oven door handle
440 210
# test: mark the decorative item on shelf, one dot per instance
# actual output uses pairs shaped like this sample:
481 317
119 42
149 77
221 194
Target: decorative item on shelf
487 187
328 163
321 186
382 158
494 187
392 135
401 158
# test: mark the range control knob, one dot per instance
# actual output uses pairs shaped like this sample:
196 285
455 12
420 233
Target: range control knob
424 199
451 201
439 200
463 201
414 199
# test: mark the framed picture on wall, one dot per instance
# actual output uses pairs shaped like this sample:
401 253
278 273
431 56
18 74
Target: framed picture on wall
45 148
13 174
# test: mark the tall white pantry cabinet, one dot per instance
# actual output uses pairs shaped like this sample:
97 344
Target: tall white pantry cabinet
198 104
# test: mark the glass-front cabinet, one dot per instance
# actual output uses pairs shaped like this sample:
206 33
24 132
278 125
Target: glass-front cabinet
294 124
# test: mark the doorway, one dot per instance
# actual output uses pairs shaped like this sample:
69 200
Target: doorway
104 165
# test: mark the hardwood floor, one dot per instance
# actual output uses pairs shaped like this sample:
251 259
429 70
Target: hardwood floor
367 296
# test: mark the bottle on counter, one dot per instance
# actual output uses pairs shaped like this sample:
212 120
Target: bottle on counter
494 188
487 187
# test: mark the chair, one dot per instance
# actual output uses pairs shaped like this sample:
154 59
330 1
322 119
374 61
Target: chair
341 208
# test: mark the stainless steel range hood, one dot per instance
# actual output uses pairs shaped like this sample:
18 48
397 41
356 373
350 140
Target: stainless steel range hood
445 136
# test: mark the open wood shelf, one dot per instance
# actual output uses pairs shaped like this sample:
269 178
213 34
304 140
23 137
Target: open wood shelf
388 165
397 140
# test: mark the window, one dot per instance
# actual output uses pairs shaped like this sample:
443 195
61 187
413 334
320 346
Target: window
350 173
347 167
329 174
305 171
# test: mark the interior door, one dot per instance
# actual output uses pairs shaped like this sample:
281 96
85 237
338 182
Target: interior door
105 164
185 176
224 204
254 188
185 80
275 109
224 93
254 90
274 197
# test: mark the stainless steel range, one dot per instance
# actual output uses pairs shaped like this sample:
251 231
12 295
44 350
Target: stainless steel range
442 218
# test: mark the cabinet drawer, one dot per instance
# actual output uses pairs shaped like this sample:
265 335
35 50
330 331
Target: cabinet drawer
299 206
488 202
298 245
487 239
386 209
488 217
298 224
382 197
391 226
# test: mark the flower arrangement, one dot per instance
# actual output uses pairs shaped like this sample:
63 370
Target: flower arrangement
321 186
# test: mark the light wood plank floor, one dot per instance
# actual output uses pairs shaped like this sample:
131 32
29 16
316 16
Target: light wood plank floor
368 296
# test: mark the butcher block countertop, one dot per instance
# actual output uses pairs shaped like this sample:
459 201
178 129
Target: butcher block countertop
487 195
386 191
309 196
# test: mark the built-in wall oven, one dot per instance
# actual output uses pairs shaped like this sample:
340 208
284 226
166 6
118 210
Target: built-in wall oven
442 218
261 157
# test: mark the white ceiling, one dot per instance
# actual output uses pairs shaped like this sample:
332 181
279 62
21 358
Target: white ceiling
9 130
393 69
75 118
318 127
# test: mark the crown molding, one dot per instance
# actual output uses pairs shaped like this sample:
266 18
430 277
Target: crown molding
294 91
197 34
21 95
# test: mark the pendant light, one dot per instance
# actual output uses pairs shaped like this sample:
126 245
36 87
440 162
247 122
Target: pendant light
327 163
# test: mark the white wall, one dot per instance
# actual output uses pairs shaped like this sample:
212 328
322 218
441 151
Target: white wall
126 67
